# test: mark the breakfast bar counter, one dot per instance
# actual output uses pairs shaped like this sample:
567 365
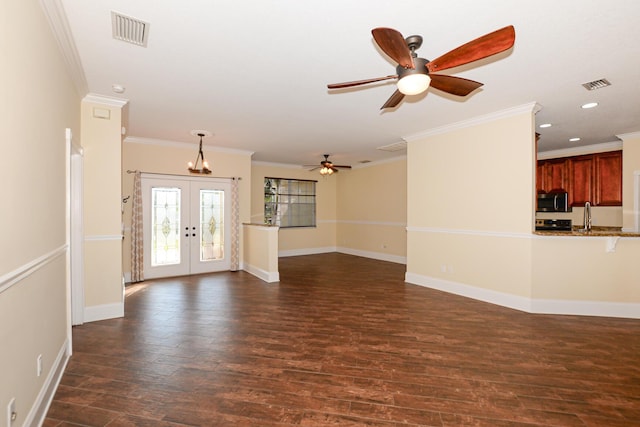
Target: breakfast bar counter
594 232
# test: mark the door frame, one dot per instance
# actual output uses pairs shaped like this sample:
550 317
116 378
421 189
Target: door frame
76 229
186 184
636 203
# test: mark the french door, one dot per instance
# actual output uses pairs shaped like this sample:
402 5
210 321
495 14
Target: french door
187 226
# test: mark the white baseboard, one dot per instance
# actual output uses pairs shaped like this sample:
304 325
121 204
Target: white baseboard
373 255
586 308
486 295
529 305
349 251
103 312
306 251
267 276
40 407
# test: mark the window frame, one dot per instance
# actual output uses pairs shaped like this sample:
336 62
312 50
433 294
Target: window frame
294 201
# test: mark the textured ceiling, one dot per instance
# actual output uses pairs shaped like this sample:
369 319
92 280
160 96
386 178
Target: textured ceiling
254 73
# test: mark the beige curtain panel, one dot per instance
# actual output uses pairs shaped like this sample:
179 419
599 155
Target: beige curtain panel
235 226
137 242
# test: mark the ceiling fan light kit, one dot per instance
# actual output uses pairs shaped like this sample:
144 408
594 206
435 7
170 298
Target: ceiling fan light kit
326 171
414 84
415 75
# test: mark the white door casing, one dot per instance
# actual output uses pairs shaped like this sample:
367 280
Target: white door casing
182 244
76 238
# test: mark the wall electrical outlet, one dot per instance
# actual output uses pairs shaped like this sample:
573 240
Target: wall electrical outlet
11 412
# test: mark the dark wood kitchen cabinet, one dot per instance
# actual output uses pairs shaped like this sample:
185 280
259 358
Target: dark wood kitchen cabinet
581 180
594 178
552 175
540 177
608 172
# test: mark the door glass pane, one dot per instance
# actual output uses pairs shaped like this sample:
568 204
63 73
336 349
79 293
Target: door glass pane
211 225
165 226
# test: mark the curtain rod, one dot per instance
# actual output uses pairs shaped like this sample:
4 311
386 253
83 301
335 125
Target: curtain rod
239 178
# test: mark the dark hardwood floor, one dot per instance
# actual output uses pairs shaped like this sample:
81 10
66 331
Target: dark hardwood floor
342 341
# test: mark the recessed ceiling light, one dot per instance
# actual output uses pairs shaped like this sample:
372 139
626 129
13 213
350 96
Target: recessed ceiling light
574 139
545 125
590 105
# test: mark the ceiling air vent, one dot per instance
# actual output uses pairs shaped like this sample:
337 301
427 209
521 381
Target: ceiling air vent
596 84
130 30
396 146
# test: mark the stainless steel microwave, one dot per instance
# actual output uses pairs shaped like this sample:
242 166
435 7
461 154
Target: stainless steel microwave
553 202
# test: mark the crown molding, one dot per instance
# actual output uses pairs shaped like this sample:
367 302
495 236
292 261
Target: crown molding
276 165
531 107
108 101
380 162
358 166
626 136
578 151
178 144
55 15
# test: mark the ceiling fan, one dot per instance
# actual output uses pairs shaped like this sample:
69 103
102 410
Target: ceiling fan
326 167
416 74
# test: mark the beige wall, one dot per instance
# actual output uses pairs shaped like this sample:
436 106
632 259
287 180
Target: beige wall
372 210
454 237
38 101
351 215
295 241
630 168
458 244
102 120
261 251
452 173
581 269
171 158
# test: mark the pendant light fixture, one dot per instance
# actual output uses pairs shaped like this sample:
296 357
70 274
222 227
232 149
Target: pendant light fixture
193 167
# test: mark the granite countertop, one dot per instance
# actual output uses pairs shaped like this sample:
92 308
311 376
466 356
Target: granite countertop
596 231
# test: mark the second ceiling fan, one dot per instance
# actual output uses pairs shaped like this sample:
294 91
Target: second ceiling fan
327 167
415 74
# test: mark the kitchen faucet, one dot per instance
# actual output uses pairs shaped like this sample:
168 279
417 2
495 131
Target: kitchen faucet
587 216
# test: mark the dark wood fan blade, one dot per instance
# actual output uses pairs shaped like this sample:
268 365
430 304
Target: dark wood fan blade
360 82
454 85
482 47
393 44
342 166
393 100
